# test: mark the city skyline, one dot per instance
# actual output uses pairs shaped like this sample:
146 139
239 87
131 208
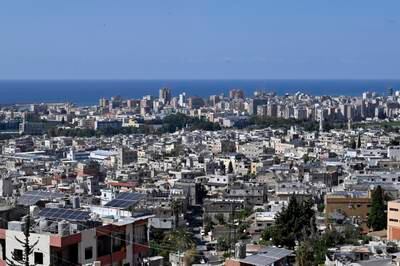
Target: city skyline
200 133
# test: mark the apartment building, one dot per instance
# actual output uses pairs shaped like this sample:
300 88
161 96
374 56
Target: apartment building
393 220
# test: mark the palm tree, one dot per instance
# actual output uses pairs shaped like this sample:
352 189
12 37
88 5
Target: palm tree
179 240
176 207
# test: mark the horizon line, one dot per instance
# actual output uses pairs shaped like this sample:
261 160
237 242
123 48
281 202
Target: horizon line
197 79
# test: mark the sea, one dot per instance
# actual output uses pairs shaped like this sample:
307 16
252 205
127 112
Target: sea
88 92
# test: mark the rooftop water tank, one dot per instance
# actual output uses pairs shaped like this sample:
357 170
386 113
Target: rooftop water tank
63 228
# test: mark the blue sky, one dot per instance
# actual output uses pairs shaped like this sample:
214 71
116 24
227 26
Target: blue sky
199 39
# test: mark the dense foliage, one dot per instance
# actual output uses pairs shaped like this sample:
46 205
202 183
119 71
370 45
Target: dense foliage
177 241
294 223
260 121
307 125
81 132
313 249
377 217
174 122
295 229
170 123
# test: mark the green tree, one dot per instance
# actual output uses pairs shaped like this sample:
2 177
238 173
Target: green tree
17 259
174 122
377 218
191 256
313 248
242 230
178 240
230 168
353 144
220 218
176 207
305 254
351 234
222 244
243 214
208 224
222 167
395 142
321 207
293 223
267 235
306 158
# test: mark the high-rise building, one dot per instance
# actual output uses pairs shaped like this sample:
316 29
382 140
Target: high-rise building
254 103
236 94
103 102
321 121
165 95
272 110
182 99
214 99
262 110
145 106
300 113
195 102
131 103
126 156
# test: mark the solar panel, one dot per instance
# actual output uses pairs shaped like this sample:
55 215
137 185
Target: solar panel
125 200
64 214
267 256
33 197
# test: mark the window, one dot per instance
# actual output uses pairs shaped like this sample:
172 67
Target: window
393 220
17 254
38 257
88 253
393 209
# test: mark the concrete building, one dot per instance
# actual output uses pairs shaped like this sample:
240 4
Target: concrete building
68 246
353 205
393 220
104 124
165 95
